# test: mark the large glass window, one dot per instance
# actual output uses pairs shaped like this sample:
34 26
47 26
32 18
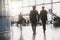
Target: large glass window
26 10
20 3
56 0
47 1
32 2
6 1
15 7
25 2
56 9
27 5
39 1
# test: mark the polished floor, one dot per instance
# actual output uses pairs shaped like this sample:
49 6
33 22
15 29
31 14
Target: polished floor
27 34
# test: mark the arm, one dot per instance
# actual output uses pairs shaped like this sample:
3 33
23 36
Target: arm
30 15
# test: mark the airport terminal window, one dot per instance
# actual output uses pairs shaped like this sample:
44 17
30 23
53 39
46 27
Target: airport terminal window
20 9
47 1
56 0
26 5
20 3
56 8
6 1
26 10
15 7
39 1
6 8
25 2
14 11
32 2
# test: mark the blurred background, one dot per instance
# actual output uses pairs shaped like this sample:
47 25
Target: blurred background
9 11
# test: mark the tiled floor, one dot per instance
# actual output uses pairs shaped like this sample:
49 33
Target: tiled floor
27 34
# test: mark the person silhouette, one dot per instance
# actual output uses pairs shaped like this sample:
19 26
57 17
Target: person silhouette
33 19
43 16
20 20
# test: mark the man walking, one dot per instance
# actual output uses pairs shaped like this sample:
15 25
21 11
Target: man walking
20 20
43 15
33 19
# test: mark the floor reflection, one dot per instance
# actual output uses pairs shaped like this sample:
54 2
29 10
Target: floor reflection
33 37
21 36
44 36
56 34
27 33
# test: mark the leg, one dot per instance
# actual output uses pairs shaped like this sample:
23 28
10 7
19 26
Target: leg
17 23
21 27
34 29
44 26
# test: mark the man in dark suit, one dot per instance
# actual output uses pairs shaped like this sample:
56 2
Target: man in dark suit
43 15
33 19
20 20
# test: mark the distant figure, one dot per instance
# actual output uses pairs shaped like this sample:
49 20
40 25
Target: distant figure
43 15
20 20
33 19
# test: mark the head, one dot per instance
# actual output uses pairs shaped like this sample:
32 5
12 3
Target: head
43 7
20 13
34 7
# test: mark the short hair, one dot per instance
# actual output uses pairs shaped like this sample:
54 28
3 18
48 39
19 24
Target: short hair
43 7
34 6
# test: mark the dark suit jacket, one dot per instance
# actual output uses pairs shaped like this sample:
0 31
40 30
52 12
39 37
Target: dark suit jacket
33 16
43 15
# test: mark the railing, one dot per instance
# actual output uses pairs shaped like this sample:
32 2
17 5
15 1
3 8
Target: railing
5 32
5 16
